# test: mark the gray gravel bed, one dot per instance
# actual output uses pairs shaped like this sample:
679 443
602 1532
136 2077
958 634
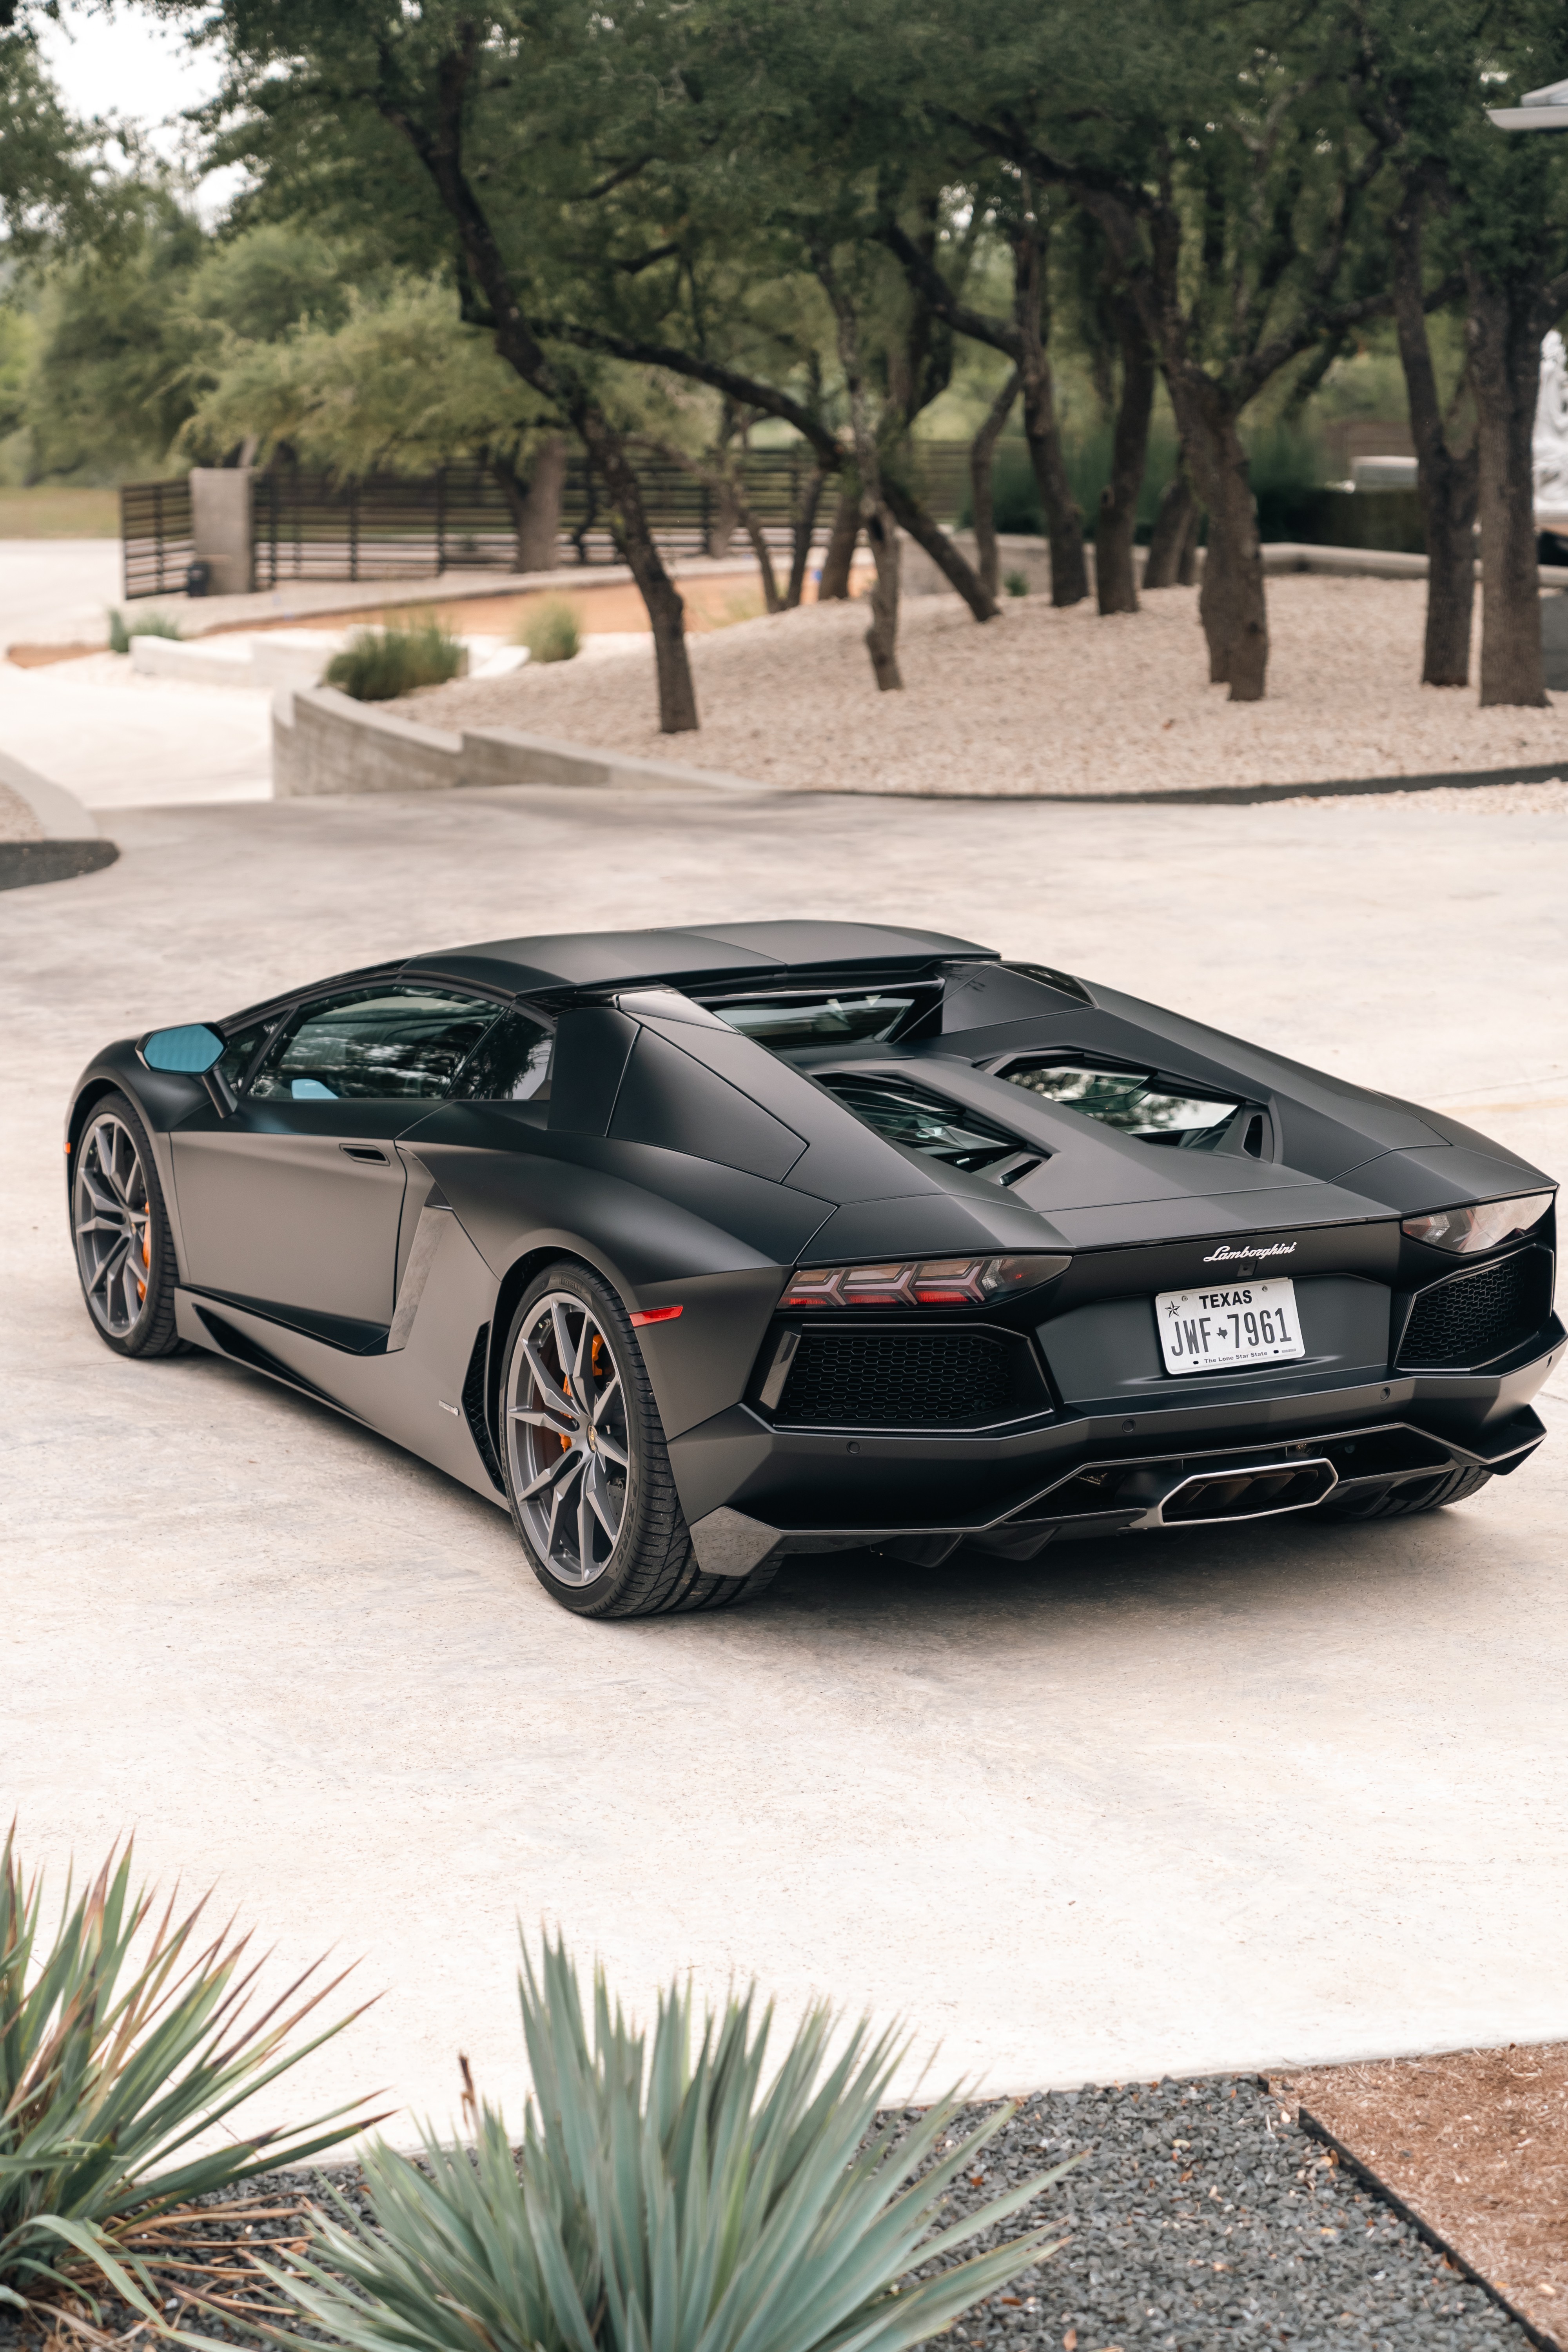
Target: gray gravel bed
1199 2216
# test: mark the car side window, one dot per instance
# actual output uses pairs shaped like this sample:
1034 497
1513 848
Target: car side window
510 1064
405 1042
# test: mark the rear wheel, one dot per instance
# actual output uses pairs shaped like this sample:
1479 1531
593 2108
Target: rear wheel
587 1472
124 1249
1403 1502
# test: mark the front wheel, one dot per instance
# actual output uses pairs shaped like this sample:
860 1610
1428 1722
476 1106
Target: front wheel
124 1249
587 1473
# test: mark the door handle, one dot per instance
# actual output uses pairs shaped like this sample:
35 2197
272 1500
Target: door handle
371 1152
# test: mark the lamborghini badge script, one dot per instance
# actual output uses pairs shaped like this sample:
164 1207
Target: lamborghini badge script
1273 1249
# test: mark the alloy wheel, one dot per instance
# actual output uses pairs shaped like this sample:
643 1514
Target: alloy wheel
566 1435
112 1225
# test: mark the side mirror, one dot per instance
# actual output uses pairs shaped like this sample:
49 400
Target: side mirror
190 1051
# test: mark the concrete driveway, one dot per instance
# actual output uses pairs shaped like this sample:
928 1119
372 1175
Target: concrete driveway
1290 1794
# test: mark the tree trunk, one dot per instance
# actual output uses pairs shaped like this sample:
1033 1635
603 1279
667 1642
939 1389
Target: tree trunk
1448 479
1187 564
982 458
882 635
761 550
1231 603
1177 512
724 516
666 611
1505 368
836 564
1115 585
805 526
1064 518
535 505
954 567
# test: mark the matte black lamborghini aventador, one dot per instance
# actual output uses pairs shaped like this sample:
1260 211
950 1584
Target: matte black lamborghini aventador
697 1248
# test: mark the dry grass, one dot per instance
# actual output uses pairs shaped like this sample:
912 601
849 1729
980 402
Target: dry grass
59 513
1040 702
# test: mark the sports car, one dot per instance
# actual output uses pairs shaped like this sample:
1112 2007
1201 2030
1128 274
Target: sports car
694 1249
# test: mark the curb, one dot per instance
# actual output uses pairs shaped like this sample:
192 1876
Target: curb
1423 2229
69 841
24 862
325 742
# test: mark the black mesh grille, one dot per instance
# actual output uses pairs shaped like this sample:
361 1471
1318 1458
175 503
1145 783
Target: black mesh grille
900 1380
1478 1316
474 1406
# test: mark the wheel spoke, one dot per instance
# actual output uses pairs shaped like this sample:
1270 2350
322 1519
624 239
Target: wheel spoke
551 1475
611 1451
584 1532
548 1385
608 1391
556 1423
596 1486
563 1330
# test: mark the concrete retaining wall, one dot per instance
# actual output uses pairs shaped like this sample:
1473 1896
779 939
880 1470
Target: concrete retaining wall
323 742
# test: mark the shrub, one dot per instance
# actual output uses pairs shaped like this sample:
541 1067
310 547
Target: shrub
110 2067
1017 584
550 632
378 664
142 624
663 2200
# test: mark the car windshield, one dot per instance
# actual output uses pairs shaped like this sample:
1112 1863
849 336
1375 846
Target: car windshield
1134 1102
783 1022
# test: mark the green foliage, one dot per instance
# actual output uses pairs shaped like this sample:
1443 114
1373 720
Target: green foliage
1015 583
662 2199
140 624
550 630
122 2040
397 381
378 664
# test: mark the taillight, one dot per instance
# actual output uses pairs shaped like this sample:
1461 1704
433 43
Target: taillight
1485 1227
922 1282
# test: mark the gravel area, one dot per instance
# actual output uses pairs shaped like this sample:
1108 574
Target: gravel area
1199 2215
1040 701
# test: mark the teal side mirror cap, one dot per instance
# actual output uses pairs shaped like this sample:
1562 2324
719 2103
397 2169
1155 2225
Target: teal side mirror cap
190 1051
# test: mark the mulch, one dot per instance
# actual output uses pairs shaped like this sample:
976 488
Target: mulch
1475 2144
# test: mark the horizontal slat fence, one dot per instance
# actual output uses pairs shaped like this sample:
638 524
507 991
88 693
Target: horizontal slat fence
400 526
155 537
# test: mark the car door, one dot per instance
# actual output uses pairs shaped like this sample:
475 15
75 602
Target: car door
292 1201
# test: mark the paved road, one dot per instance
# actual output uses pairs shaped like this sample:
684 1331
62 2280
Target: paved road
1281 1795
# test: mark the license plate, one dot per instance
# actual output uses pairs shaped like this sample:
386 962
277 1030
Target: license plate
1233 1324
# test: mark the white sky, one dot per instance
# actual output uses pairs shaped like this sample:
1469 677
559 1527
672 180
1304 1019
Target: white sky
132 65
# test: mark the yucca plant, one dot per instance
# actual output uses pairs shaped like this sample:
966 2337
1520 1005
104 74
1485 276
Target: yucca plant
662 2201
122 2040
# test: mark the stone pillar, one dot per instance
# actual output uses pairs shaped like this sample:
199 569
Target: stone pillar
221 526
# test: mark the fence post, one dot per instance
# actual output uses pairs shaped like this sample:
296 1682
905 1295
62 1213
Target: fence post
354 531
440 519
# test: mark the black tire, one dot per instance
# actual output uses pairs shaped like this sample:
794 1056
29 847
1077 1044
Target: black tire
118 1218
587 1472
1403 1501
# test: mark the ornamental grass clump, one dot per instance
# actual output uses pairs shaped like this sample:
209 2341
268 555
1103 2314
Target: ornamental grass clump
123 2040
378 664
550 632
667 2201
141 625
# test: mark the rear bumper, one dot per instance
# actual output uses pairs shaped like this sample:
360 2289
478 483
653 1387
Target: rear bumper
753 1491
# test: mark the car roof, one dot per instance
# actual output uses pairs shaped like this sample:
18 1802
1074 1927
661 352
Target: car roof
705 953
